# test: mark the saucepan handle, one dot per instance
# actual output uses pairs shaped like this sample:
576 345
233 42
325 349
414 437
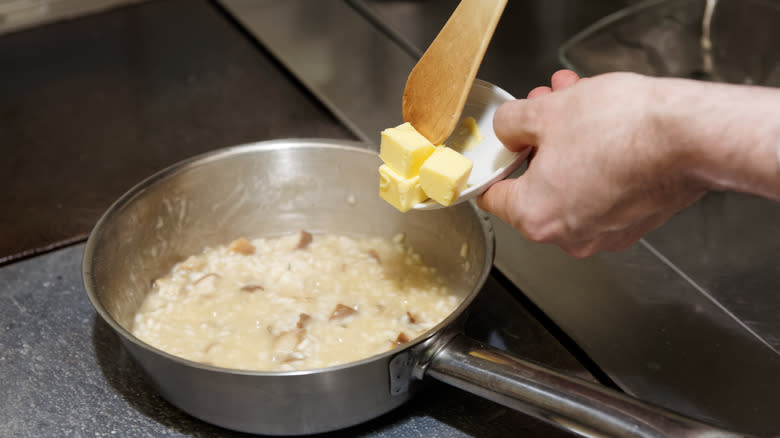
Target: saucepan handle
574 404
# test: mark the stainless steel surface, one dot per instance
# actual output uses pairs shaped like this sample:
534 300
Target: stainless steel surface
524 50
656 334
725 41
353 69
735 265
687 319
266 189
630 40
19 15
581 407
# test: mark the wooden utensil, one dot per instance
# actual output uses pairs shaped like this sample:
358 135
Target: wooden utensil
438 85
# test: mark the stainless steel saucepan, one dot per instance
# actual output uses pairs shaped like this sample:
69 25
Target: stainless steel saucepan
274 187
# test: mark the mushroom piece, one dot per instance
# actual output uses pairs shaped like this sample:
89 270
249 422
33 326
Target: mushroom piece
303 318
401 339
375 256
252 287
341 311
305 240
241 246
288 341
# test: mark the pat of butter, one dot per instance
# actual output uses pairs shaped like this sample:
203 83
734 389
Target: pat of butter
444 175
404 149
402 193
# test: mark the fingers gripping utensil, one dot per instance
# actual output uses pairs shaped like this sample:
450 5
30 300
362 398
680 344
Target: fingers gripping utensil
437 87
492 161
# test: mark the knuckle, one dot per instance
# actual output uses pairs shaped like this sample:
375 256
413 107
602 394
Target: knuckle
534 117
581 251
541 229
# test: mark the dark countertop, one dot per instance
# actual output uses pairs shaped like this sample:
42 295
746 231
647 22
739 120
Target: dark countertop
91 106
65 372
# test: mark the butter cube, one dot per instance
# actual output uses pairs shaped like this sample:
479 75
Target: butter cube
404 149
444 175
402 193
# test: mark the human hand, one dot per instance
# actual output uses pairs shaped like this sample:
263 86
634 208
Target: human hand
602 173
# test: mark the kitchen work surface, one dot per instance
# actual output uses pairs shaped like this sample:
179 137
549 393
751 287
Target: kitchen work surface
91 106
65 373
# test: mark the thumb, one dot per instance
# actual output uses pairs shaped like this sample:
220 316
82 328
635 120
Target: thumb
501 199
517 123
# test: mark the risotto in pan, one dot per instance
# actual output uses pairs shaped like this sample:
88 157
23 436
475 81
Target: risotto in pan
293 302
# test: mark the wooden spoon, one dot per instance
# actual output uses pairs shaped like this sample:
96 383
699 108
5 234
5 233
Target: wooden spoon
438 85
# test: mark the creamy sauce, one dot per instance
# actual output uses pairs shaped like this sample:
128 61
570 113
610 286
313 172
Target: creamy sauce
294 302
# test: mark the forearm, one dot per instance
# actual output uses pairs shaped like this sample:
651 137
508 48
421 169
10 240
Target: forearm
728 136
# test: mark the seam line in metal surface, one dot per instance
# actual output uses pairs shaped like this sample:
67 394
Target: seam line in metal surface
566 341
706 294
375 19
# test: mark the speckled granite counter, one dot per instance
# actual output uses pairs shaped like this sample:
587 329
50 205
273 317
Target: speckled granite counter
65 373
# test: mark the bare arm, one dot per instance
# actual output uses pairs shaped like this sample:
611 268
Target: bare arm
617 155
733 133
